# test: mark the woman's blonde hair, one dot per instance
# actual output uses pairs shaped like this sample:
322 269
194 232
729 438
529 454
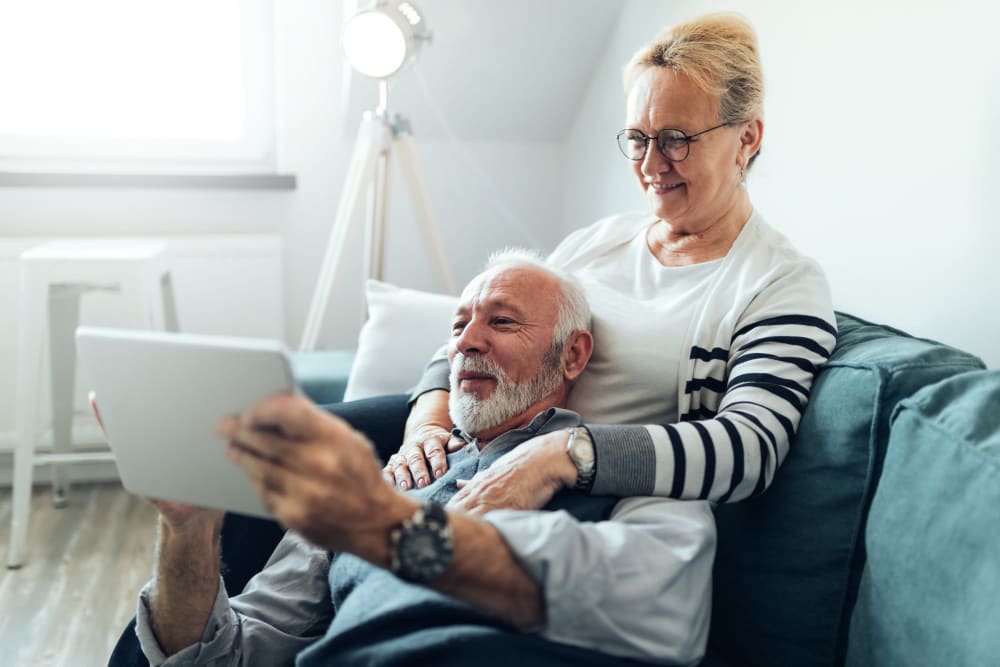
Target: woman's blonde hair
718 52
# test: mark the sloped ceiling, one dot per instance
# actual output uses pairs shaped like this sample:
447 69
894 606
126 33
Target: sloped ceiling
496 70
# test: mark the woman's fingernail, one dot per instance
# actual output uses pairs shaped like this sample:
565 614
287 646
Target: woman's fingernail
438 472
421 482
404 485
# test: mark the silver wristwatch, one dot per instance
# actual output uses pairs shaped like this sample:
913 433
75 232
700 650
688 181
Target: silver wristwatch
581 452
420 549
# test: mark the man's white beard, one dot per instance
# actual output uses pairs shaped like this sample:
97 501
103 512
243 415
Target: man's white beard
475 415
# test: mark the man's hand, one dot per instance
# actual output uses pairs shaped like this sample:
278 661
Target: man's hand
524 478
186 575
317 475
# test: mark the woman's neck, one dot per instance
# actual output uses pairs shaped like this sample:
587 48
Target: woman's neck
674 247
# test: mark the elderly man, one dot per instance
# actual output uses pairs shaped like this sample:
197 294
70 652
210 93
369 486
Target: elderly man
414 581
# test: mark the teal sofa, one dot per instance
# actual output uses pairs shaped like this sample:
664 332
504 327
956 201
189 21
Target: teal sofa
878 545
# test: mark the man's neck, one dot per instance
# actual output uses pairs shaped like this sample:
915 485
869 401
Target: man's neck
555 400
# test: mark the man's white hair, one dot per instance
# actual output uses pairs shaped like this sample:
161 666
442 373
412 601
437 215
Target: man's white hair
574 311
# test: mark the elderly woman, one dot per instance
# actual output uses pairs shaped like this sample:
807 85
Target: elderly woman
709 325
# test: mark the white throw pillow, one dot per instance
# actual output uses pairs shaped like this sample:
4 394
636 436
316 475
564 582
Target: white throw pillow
404 328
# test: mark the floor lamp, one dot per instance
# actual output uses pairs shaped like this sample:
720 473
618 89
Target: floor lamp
379 41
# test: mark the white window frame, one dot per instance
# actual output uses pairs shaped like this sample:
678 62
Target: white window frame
254 153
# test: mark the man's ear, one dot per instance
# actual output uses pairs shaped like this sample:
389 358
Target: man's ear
576 353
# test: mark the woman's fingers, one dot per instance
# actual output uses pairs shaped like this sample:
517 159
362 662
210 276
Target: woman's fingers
434 451
397 472
417 464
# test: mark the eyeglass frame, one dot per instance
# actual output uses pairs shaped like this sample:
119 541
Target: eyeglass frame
688 138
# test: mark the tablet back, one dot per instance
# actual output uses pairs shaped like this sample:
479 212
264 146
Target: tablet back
160 396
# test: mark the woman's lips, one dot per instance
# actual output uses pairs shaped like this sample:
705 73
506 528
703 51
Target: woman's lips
664 188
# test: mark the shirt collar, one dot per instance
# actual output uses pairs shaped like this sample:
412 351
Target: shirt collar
546 421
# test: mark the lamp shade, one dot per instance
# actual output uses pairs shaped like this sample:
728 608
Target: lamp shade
381 40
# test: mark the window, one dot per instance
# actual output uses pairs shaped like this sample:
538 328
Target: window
137 86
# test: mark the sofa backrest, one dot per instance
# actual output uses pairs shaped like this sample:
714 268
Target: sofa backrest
930 590
789 561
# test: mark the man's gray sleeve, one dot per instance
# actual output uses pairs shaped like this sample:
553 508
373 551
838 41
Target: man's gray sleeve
435 375
281 611
638 585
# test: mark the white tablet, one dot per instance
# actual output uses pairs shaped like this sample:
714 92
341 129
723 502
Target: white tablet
160 396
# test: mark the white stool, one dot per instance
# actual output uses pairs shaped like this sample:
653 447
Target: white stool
53 278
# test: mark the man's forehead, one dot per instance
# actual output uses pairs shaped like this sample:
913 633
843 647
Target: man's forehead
514 287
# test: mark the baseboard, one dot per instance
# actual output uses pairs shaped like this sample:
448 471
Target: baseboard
78 472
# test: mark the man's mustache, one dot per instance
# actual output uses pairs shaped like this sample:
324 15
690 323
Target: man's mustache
476 363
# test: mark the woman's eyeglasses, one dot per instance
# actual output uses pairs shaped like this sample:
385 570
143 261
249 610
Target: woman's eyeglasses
674 144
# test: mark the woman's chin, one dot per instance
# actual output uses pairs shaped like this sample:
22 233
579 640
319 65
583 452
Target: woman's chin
664 208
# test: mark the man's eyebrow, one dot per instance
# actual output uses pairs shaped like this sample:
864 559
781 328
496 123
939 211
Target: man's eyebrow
490 304
505 304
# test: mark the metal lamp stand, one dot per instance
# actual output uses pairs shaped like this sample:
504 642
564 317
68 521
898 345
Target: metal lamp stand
377 138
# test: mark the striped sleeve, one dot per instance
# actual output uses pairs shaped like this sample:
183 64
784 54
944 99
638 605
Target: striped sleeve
749 398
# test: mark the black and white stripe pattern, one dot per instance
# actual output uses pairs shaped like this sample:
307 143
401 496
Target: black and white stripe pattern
746 403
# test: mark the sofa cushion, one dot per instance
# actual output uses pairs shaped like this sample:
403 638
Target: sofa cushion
404 328
789 561
930 591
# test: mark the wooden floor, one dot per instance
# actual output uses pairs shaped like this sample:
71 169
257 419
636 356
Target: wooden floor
77 588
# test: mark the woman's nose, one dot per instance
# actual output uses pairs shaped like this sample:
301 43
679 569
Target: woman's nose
654 162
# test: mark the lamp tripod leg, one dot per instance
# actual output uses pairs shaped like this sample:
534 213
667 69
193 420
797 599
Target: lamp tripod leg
433 242
373 137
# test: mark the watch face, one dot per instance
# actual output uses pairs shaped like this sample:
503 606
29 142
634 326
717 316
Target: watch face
423 547
582 451
420 549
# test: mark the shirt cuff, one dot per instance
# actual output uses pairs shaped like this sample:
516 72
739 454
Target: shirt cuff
216 640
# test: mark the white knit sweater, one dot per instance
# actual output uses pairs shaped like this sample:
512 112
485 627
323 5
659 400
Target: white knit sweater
748 356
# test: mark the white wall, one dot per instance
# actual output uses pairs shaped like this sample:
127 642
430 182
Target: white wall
881 150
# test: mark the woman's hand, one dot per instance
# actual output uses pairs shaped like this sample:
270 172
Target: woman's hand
422 458
524 478
426 442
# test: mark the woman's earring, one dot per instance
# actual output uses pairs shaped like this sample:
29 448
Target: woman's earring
743 178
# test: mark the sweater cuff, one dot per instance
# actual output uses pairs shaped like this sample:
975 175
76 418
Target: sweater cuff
625 460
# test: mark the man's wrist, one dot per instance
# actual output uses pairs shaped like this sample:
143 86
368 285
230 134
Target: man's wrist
196 530
373 542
